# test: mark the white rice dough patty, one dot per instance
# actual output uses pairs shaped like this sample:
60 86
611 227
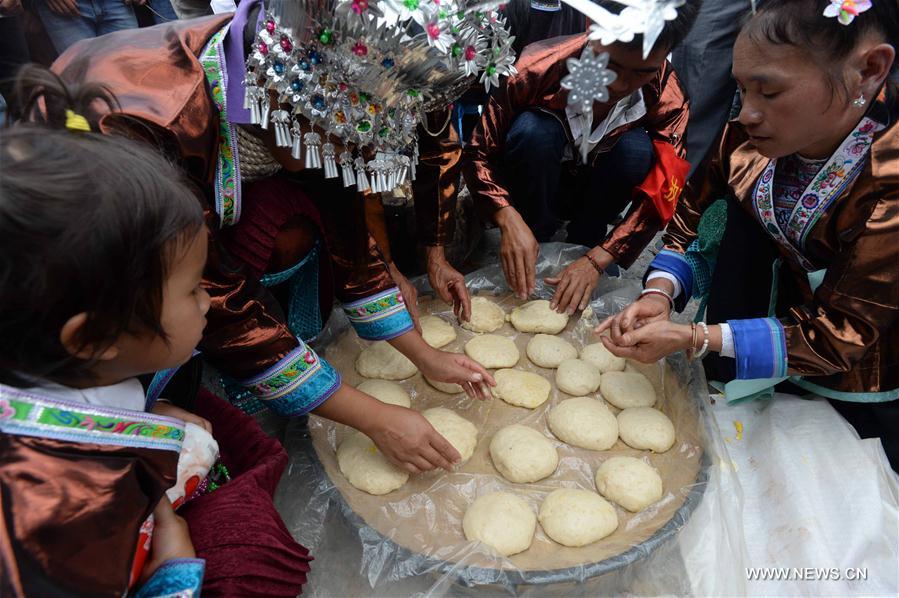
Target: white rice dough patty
521 388
522 454
501 520
585 423
574 517
486 316
548 351
366 468
645 428
601 358
538 316
493 351
436 331
381 360
629 482
386 392
577 378
457 430
450 388
627 389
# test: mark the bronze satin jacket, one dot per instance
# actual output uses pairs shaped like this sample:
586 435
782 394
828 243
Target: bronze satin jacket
541 68
159 83
845 336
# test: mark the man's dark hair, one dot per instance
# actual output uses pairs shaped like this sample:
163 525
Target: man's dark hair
674 31
88 223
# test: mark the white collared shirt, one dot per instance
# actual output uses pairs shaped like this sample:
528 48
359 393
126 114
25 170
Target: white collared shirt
128 394
627 110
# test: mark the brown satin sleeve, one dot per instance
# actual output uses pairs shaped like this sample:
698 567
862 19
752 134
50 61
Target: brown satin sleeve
666 120
377 224
72 513
246 331
436 184
858 302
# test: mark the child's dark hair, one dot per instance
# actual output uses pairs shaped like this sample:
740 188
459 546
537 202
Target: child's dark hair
802 23
88 223
674 31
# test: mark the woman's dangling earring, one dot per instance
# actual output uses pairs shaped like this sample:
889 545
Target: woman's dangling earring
860 101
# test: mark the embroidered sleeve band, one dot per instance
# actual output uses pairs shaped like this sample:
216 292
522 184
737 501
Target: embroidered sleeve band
760 348
297 384
674 263
176 577
380 317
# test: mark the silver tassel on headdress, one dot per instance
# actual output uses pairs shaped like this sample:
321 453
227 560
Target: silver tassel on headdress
346 169
296 147
403 170
313 141
361 179
414 162
251 102
328 154
264 108
281 120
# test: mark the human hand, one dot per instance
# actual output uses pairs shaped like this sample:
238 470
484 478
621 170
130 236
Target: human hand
651 342
171 538
574 286
167 409
448 283
518 252
10 7
648 309
409 440
66 8
459 369
410 294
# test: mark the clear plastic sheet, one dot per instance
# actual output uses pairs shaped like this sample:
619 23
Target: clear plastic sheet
410 542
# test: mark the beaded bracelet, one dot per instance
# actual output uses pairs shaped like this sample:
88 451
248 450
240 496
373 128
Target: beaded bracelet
705 341
661 292
595 263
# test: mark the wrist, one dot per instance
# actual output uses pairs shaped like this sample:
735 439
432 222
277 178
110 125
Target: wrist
505 217
601 257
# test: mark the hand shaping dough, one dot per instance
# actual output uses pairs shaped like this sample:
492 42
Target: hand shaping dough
386 392
493 351
366 468
381 360
577 517
436 331
584 422
500 520
450 388
523 454
549 351
538 316
522 389
460 432
645 428
577 377
629 482
486 316
601 358
627 389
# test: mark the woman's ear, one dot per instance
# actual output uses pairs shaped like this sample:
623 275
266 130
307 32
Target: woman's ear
70 336
875 66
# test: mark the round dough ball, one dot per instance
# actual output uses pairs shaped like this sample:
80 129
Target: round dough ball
584 422
645 428
450 388
386 392
629 482
523 454
460 432
522 389
577 517
381 360
500 520
538 316
486 316
436 331
549 351
577 377
366 468
627 389
492 351
601 358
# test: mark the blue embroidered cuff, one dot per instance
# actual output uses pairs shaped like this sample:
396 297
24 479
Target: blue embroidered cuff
760 347
297 384
380 317
176 577
675 264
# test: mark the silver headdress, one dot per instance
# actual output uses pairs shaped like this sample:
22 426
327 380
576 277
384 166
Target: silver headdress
364 72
